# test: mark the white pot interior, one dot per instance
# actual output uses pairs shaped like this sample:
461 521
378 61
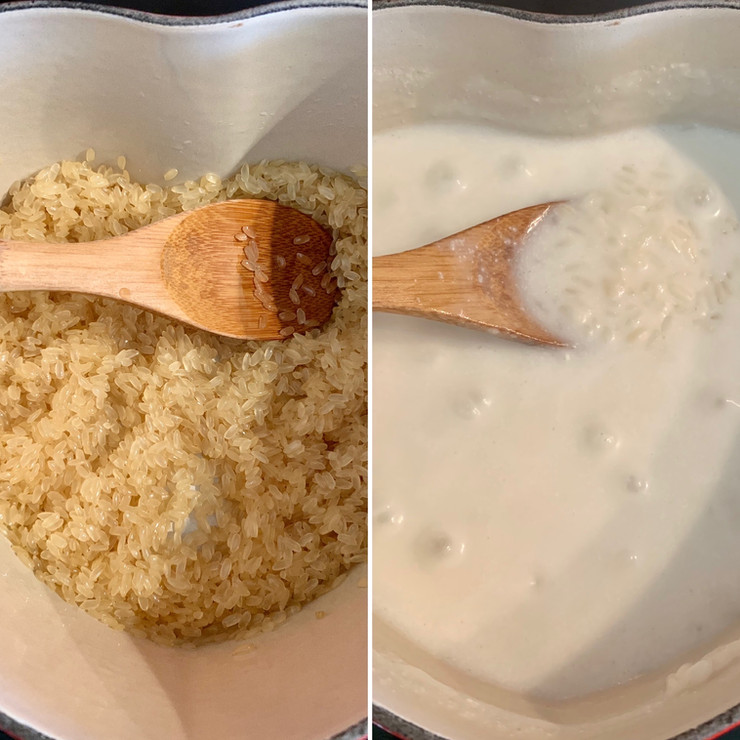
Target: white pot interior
287 84
434 63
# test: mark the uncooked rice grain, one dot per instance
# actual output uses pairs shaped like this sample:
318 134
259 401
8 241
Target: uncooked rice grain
252 251
143 465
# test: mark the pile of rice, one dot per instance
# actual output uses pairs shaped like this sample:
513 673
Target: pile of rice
170 482
628 262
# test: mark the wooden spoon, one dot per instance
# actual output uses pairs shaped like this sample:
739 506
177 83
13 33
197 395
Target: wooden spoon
193 267
465 279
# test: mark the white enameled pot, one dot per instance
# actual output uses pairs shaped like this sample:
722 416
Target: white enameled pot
465 61
287 80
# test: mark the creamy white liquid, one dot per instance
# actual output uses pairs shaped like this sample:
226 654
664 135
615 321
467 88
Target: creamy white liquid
555 522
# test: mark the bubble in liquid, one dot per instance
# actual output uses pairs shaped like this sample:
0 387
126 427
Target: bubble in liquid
388 516
701 198
636 484
471 405
599 439
536 581
441 178
436 548
514 167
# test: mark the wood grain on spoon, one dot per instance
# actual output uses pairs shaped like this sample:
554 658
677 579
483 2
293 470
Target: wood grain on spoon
189 267
465 279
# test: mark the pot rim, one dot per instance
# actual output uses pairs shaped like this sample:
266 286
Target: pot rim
407 730
659 6
20 731
278 6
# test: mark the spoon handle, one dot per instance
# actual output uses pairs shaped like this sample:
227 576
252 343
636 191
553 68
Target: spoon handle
418 282
126 267
86 268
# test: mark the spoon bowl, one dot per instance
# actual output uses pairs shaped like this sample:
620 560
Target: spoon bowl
248 269
466 279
